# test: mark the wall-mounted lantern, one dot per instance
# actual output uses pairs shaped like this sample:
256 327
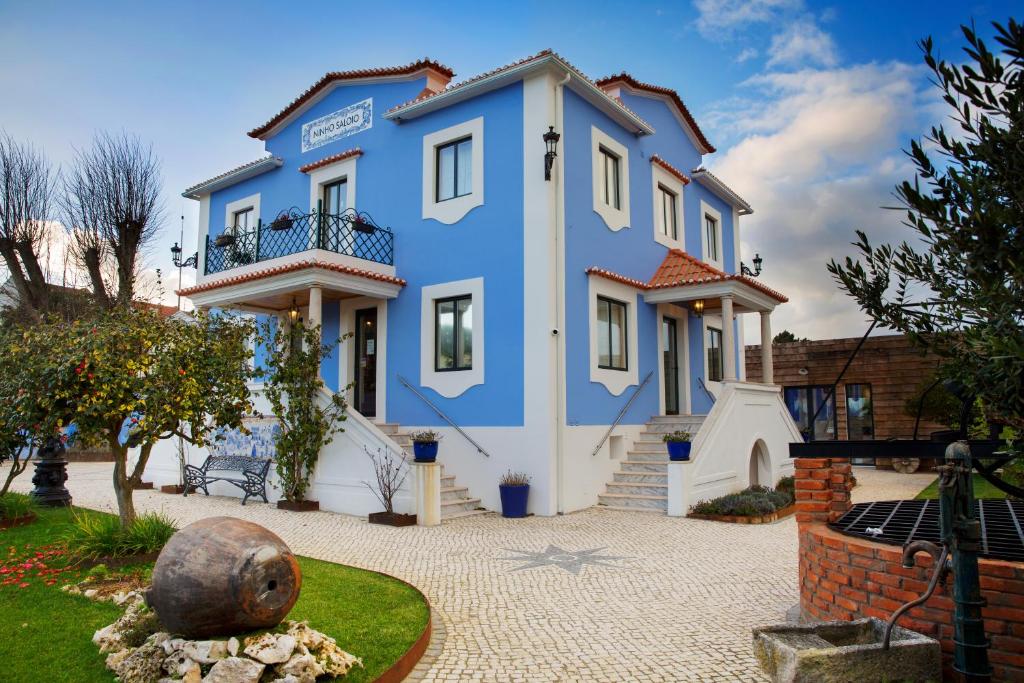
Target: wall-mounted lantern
293 314
551 139
698 307
757 267
191 262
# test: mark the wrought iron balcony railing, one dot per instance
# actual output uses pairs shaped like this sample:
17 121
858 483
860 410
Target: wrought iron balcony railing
351 232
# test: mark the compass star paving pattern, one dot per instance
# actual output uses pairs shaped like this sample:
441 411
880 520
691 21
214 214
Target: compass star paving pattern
569 560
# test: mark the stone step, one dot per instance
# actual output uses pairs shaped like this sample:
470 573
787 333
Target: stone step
389 428
666 427
650 446
454 507
672 419
449 493
641 477
633 502
647 456
644 466
457 515
638 489
447 480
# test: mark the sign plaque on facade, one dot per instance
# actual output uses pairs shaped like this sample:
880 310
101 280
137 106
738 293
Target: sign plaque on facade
336 125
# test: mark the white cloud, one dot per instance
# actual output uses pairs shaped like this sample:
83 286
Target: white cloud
718 17
746 54
817 158
802 43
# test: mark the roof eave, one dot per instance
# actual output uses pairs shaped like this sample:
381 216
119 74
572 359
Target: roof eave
232 177
723 191
586 88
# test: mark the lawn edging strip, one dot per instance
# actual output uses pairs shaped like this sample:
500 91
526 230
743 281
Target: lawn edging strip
744 519
398 671
17 521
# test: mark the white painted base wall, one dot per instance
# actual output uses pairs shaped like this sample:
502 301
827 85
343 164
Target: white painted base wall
586 474
748 420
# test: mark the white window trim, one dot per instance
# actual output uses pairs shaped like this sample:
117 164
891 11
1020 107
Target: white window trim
615 381
707 210
451 383
344 169
453 210
615 219
250 202
659 176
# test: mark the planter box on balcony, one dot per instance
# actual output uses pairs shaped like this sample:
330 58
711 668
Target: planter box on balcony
280 224
225 240
361 226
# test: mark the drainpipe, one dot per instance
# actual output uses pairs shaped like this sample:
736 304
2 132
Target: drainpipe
560 414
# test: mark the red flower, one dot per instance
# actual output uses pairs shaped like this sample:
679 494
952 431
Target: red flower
180 371
22 585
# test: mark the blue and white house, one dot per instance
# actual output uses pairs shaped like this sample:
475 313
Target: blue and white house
550 304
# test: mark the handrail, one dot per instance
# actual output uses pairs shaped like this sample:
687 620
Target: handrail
618 418
444 417
700 382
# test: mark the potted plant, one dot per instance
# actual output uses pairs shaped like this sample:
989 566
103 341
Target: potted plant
390 470
424 446
678 446
282 222
225 239
514 488
361 225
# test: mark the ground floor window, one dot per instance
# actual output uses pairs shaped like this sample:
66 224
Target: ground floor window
453 330
803 404
716 362
612 341
860 418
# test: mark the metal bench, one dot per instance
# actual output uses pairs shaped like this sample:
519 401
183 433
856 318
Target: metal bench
253 481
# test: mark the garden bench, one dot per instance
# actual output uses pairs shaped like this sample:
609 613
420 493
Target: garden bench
253 479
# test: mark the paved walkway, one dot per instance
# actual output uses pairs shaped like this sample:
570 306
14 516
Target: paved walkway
598 595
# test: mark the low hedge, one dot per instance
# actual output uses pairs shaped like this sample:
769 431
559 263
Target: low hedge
754 501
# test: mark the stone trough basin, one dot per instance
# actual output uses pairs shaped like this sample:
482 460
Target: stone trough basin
840 651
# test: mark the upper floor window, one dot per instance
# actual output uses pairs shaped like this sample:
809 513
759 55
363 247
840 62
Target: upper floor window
242 220
612 340
453 330
711 237
716 362
335 197
667 200
610 188
455 169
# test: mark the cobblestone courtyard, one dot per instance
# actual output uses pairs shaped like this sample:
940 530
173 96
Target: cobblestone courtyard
653 598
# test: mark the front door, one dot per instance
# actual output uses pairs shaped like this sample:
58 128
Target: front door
671 363
365 393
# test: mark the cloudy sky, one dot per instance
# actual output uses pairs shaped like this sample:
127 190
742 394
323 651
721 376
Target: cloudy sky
809 104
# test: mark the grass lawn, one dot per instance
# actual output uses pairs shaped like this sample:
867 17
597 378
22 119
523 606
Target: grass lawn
46 634
982 489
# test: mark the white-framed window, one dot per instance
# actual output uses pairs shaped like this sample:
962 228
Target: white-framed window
668 208
453 171
242 214
713 348
333 186
452 336
613 334
335 197
711 235
610 162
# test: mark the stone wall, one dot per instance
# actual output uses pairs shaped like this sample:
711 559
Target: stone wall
844 578
892 367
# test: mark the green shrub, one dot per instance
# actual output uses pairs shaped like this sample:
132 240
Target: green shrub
787 485
753 501
94 536
14 505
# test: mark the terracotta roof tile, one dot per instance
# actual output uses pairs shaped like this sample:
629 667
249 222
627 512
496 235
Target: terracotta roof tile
236 169
680 269
332 76
659 90
289 268
685 179
334 158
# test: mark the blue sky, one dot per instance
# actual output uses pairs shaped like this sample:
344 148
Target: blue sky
808 103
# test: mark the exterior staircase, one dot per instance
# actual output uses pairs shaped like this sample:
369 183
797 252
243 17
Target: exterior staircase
455 499
642 480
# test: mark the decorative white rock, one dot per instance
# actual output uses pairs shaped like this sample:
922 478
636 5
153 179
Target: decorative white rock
235 670
270 648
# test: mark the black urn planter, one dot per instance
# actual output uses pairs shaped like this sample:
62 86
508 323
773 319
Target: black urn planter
225 240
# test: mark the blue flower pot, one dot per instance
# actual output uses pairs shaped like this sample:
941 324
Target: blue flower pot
425 451
678 451
513 500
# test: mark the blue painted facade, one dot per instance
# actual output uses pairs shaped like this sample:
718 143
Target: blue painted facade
488 242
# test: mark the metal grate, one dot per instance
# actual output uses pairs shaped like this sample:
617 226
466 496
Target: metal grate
902 521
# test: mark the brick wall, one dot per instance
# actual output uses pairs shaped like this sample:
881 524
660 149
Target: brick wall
892 367
844 578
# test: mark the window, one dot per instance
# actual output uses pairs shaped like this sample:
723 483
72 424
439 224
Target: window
803 403
455 169
453 333
711 237
860 419
336 197
667 212
242 220
716 362
611 193
612 344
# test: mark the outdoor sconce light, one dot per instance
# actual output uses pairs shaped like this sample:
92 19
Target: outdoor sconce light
551 139
757 267
191 262
293 314
698 307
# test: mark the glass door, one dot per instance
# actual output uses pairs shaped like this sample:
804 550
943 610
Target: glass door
365 392
671 364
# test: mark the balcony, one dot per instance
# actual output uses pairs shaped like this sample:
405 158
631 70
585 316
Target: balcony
352 233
